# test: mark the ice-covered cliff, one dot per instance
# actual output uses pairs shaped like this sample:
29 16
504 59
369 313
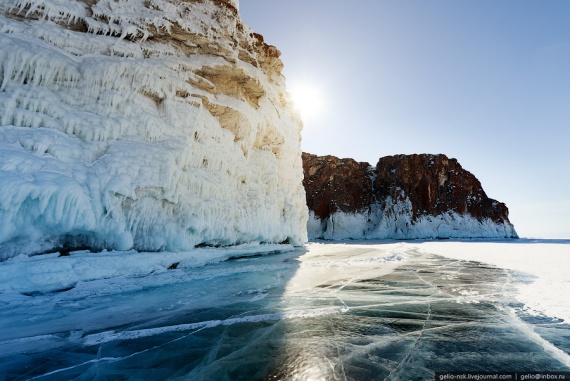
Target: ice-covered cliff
145 124
403 197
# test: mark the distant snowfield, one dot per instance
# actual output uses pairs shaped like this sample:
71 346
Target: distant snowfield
546 261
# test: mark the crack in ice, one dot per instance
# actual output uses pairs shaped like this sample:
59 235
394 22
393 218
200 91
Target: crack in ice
428 317
108 336
110 359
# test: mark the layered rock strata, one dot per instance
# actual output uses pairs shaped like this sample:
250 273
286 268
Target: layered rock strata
403 197
153 125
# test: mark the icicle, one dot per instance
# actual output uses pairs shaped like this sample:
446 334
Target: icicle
101 137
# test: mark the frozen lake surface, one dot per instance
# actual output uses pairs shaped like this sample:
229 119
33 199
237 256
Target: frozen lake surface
342 311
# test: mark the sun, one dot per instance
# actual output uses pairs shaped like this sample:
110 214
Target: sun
307 99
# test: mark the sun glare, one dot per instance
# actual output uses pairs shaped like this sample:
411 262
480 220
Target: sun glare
308 99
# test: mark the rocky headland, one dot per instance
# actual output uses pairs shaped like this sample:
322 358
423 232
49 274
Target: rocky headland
402 197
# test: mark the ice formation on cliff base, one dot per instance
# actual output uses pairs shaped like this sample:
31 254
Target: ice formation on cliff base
154 125
342 226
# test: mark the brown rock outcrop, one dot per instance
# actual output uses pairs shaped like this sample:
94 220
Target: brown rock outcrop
334 184
435 184
404 196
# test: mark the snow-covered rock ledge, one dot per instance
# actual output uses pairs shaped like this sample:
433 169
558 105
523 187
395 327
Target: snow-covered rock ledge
152 125
403 197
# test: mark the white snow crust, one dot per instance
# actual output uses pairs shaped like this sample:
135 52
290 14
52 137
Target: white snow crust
394 220
547 290
141 124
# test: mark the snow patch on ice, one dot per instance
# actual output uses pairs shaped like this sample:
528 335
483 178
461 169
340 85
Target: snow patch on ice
548 347
546 292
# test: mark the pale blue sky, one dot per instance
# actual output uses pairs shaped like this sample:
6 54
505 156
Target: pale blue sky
483 81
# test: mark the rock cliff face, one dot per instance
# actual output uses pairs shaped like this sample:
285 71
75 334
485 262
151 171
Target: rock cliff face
154 125
403 197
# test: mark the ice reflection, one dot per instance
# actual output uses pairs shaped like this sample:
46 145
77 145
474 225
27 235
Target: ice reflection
316 349
406 320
